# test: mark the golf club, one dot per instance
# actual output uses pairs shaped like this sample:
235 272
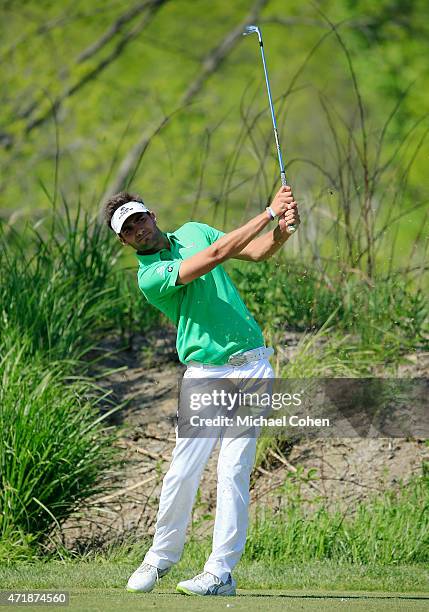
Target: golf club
252 29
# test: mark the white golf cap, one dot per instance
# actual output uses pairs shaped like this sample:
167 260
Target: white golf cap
123 212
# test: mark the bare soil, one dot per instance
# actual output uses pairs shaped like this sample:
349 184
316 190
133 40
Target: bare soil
348 470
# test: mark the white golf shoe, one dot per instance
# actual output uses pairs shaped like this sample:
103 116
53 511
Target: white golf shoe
207 584
144 578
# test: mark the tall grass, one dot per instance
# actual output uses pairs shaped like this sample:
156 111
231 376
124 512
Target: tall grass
60 294
62 290
285 294
61 286
53 445
390 529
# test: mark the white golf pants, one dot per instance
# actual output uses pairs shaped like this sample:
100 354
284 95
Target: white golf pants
180 485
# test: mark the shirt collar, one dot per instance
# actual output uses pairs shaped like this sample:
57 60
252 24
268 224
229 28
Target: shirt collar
145 260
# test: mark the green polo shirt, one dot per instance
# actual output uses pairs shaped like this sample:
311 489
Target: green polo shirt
211 318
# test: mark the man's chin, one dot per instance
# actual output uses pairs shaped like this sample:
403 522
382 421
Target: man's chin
145 244
144 247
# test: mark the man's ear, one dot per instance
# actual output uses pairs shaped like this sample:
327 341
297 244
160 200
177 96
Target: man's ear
152 214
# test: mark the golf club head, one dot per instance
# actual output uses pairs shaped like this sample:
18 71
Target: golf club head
252 29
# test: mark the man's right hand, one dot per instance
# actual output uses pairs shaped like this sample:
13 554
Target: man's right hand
283 201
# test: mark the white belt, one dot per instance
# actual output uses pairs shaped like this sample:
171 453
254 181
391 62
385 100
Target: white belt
239 359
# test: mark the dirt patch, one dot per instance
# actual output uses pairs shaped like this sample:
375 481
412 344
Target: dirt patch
348 470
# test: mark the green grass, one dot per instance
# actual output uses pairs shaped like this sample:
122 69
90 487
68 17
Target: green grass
388 312
63 286
60 286
53 447
327 575
102 600
98 583
59 295
62 290
383 546
390 529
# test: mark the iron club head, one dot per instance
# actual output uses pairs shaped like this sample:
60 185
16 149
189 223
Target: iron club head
252 29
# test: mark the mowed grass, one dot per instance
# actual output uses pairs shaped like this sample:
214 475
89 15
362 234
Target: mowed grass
324 576
105 600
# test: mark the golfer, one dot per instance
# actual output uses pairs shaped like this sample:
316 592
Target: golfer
180 273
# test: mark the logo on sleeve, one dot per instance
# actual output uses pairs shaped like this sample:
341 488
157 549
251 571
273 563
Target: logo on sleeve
160 270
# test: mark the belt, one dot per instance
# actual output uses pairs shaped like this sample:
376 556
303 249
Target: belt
239 359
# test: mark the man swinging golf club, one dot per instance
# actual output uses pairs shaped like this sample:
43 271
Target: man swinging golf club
180 273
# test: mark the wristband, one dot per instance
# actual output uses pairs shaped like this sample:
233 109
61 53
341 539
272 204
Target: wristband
272 215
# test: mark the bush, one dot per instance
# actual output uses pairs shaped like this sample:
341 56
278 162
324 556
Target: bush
53 446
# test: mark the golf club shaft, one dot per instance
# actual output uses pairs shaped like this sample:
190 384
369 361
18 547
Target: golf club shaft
273 117
291 228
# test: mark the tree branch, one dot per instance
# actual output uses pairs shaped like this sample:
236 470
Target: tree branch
210 63
116 27
152 7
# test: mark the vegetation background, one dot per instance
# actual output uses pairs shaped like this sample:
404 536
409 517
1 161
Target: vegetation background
165 97
156 95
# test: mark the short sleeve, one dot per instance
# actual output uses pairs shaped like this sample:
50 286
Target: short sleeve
212 234
158 280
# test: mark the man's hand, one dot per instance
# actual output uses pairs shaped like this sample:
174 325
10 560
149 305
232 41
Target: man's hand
284 204
242 242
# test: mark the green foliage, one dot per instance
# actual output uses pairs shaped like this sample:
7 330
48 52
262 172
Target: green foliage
61 289
99 121
287 295
390 529
53 446
59 296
